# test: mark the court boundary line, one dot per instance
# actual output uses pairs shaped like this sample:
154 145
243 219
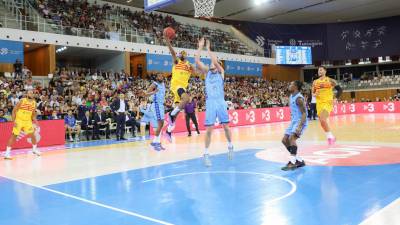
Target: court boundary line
94 203
370 219
292 184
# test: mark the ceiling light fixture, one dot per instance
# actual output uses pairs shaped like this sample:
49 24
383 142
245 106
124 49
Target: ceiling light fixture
61 49
259 2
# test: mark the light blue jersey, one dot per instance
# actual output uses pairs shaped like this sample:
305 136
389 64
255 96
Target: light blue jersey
159 96
158 101
216 106
295 112
214 87
295 115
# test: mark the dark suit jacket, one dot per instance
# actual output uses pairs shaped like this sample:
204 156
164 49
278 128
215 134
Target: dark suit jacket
98 119
85 122
116 103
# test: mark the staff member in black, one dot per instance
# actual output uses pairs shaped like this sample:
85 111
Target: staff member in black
100 122
120 107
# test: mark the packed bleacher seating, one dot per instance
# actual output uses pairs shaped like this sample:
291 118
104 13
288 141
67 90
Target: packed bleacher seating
85 19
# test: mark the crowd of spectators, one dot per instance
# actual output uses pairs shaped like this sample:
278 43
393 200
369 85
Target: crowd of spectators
86 19
81 91
85 93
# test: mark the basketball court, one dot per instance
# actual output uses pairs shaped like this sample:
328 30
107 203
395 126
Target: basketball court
105 182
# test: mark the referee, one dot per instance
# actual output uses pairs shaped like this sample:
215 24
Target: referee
190 114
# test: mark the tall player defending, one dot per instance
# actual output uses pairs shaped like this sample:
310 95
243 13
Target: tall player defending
216 106
23 115
298 117
157 89
181 71
323 90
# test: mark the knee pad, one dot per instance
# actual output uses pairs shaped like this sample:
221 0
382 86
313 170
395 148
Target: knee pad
181 91
292 150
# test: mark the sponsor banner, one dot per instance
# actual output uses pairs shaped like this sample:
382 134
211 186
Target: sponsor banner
281 114
163 63
11 51
49 133
243 68
333 41
366 107
364 39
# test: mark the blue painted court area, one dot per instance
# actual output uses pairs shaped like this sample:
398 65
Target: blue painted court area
245 191
95 143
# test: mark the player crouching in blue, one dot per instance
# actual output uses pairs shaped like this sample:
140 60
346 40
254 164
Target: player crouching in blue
298 117
157 91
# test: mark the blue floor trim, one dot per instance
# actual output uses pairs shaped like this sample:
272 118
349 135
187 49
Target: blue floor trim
82 144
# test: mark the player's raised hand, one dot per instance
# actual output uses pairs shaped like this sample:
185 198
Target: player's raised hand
208 43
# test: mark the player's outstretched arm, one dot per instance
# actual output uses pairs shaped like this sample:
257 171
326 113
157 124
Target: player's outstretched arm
302 107
200 65
34 117
214 59
337 88
151 90
171 49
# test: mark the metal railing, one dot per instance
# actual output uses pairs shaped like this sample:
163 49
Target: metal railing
39 24
390 83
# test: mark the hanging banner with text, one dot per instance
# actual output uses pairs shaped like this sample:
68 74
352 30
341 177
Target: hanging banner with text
10 51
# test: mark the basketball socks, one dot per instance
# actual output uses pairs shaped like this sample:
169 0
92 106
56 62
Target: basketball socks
298 158
175 111
292 159
230 145
157 139
206 151
329 135
8 150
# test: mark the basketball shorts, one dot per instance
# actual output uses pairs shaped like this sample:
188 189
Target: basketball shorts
291 130
158 110
25 126
177 91
72 127
216 110
324 106
146 119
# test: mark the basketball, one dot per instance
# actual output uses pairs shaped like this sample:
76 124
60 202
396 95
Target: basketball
169 32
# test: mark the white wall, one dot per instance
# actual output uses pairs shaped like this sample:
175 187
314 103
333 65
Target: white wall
115 63
84 42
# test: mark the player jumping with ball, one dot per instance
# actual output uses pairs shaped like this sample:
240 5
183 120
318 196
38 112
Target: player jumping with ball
181 72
